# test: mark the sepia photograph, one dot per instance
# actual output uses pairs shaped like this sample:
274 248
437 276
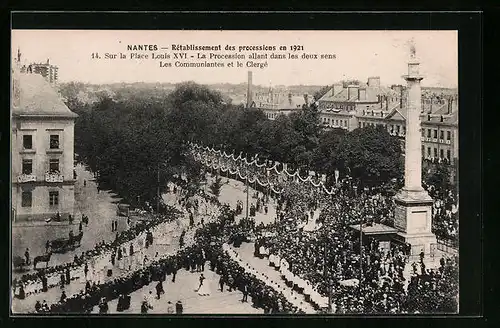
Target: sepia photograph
186 172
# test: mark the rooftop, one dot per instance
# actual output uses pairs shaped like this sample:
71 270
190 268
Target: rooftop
371 94
375 229
293 102
39 98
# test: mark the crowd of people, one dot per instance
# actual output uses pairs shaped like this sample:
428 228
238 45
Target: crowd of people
324 257
193 257
331 253
45 278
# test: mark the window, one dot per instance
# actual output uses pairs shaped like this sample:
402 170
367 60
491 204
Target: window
404 129
26 199
423 149
441 135
345 123
435 152
428 151
441 153
397 128
27 166
27 141
53 198
448 154
423 133
54 141
392 128
448 135
337 122
428 133
54 165
360 125
435 134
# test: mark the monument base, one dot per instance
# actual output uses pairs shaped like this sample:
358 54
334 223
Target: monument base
413 219
420 242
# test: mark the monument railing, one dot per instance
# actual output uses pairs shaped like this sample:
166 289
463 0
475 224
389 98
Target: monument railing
447 246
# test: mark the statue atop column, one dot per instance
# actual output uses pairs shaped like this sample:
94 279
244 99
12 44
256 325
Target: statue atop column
413 50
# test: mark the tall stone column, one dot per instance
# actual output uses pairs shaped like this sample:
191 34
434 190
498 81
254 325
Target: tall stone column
413 213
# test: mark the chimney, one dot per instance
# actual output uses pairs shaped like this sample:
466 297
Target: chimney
351 90
249 89
432 100
374 81
386 103
337 88
48 61
362 94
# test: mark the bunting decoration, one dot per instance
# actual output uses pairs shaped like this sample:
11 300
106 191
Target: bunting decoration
250 170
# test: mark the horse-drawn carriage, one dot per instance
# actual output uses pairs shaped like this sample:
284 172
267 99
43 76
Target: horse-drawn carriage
63 245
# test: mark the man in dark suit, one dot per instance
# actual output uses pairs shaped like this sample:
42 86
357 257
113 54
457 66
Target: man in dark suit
221 283
178 307
245 293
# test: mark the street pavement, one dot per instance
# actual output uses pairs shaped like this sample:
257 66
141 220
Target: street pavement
234 190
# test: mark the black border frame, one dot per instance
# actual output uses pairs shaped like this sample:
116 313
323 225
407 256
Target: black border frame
470 27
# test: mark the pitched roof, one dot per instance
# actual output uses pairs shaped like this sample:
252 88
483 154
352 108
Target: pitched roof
38 98
440 110
452 118
295 102
397 113
371 94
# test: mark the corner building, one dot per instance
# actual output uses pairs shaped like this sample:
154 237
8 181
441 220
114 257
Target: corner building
42 149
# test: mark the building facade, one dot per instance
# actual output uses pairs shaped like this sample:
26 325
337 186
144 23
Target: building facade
279 102
358 106
48 71
42 150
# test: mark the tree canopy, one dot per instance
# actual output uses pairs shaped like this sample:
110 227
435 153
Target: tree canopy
128 140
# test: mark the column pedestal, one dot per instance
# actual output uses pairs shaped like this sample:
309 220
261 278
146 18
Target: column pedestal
413 219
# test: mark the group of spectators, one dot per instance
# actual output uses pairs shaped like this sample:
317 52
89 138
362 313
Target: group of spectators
207 247
43 279
332 253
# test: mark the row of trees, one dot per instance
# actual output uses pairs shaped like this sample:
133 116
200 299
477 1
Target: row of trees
129 141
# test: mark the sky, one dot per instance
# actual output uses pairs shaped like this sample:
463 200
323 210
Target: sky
359 55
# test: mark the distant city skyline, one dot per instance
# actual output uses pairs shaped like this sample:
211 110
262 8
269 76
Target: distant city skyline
359 55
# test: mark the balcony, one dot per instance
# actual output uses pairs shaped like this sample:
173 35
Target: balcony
53 177
27 151
23 178
54 151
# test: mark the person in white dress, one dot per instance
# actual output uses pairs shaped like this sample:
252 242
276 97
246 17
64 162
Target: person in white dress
277 261
271 259
203 288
